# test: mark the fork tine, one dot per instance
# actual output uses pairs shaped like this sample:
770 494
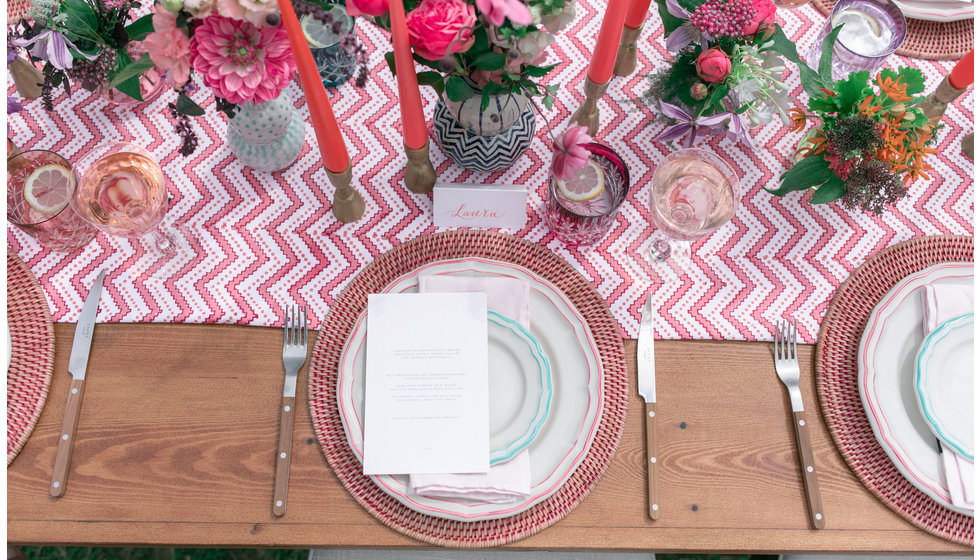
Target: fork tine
778 339
794 338
304 326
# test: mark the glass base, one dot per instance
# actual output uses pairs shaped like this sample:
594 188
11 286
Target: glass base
656 259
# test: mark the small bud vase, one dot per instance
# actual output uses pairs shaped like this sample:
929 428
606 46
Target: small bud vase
484 139
268 136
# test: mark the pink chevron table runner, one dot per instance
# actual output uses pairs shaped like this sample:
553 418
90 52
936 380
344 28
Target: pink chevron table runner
265 239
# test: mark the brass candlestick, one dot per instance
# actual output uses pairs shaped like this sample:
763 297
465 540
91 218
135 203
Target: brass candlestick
588 114
967 145
626 57
420 176
348 204
935 106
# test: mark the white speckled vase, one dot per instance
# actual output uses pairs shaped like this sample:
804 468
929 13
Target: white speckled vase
268 136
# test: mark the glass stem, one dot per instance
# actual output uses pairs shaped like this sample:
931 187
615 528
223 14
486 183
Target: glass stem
164 242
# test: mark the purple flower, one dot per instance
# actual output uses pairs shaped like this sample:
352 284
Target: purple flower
13 105
686 33
52 46
687 124
11 56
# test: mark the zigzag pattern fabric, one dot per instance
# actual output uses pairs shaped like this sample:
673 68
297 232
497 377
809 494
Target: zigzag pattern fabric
270 238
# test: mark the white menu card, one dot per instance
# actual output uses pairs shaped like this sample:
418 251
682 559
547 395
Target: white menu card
426 402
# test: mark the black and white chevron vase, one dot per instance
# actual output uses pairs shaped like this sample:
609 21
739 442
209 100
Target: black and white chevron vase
482 153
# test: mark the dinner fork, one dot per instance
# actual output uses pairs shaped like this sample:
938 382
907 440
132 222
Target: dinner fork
788 370
293 358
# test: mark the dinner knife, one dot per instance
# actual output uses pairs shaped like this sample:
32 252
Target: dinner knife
646 381
77 364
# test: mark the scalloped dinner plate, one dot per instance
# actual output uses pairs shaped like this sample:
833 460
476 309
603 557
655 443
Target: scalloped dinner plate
944 383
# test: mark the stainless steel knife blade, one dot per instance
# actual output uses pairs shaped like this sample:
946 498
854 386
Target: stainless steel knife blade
78 362
646 369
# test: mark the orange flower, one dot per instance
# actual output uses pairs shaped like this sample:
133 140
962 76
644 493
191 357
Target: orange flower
799 119
819 144
917 151
893 88
828 92
867 108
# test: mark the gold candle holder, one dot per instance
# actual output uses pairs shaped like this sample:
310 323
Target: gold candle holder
626 57
936 102
967 145
348 204
588 114
420 176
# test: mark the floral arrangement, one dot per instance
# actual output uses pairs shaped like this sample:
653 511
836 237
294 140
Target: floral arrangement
238 47
870 141
726 75
479 47
92 42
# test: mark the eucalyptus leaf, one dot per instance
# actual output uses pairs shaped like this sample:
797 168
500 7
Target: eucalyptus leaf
186 106
808 172
131 70
829 192
825 69
139 29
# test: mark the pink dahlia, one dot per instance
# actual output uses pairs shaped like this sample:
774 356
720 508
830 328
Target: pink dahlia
242 62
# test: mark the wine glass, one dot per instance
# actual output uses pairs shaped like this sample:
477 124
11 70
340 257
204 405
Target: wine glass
692 193
123 192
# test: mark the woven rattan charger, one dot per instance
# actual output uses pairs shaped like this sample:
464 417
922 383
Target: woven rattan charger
837 387
31 353
929 40
340 321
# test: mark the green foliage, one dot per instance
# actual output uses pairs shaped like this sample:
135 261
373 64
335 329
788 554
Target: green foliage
829 191
670 22
186 106
139 29
808 172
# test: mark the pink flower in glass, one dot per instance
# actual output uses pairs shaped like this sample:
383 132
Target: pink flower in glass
570 153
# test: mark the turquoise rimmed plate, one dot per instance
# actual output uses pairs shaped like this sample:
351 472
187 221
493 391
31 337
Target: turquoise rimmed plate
944 383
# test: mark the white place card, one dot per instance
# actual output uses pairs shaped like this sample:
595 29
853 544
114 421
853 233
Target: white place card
426 403
479 206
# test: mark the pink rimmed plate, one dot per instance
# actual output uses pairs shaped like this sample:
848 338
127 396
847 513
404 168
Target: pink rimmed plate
565 438
886 379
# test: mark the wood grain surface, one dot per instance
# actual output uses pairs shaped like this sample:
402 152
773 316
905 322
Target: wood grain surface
177 438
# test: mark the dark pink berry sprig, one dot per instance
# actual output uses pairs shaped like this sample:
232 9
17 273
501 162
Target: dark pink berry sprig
723 18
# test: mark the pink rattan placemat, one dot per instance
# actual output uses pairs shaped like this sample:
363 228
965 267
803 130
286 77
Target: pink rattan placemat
837 349
31 353
406 258
930 40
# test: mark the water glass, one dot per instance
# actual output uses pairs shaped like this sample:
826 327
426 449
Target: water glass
586 222
45 213
873 30
336 59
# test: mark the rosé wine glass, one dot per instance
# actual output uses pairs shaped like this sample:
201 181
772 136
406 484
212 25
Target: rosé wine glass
123 192
693 192
42 209
586 222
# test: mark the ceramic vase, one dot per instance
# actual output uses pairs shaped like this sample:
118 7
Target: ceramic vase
268 136
484 139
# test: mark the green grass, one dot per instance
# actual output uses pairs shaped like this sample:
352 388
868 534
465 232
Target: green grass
78 553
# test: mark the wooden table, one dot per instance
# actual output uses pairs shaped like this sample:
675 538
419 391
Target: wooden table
177 436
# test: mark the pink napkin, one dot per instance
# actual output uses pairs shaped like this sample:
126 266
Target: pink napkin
941 302
504 482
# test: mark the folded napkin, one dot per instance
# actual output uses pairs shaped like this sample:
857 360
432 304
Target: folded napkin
941 302
504 482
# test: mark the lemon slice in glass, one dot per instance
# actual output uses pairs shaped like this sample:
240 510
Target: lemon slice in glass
587 185
47 188
320 34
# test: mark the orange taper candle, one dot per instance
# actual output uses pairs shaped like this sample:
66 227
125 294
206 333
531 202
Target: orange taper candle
962 75
607 45
413 121
636 14
333 151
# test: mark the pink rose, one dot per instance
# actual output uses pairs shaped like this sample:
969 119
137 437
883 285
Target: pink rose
169 47
765 14
371 8
713 65
439 28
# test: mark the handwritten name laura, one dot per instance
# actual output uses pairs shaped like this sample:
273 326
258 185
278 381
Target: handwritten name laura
470 213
